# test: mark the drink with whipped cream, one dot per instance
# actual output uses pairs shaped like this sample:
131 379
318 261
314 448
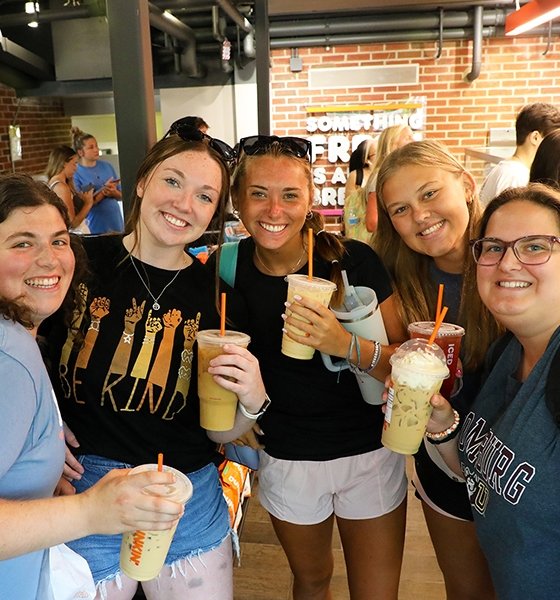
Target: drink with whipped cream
418 370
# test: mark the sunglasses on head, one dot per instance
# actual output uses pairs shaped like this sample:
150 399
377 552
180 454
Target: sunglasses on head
260 144
188 133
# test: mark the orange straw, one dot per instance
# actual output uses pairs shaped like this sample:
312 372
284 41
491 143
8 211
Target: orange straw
223 314
160 462
438 324
439 300
310 253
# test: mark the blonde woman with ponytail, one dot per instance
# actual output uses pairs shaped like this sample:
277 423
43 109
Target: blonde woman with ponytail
428 210
322 458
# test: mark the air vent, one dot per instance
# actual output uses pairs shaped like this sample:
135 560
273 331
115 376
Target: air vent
362 76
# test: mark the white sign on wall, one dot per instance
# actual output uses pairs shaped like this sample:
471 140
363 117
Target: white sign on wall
335 135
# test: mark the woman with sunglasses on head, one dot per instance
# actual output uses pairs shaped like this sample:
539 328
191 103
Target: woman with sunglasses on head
428 208
37 277
322 456
127 371
508 444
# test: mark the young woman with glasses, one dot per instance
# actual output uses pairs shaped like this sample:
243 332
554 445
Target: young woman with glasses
322 457
127 369
508 444
428 208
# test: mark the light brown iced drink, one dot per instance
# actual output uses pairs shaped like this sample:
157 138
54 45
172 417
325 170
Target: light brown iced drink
418 369
217 405
143 553
315 288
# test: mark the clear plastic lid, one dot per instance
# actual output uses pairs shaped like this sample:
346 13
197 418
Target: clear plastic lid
418 356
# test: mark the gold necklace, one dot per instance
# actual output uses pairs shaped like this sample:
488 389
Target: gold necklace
268 270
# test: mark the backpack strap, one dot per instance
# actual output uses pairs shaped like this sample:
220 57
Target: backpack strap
359 176
228 262
552 389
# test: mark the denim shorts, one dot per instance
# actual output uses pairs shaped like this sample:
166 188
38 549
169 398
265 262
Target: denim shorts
203 527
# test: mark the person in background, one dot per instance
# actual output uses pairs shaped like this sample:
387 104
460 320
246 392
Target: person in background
546 165
390 139
196 123
322 457
508 447
532 124
359 169
36 278
128 387
62 164
428 209
92 173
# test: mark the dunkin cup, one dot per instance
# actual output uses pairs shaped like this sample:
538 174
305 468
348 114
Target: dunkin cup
315 288
217 405
143 553
448 338
418 369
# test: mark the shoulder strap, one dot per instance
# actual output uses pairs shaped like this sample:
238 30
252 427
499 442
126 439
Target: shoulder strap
552 389
359 176
228 262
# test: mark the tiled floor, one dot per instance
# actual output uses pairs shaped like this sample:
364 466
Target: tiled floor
264 573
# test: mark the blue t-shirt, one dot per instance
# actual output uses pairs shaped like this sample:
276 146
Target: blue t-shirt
105 216
510 454
32 447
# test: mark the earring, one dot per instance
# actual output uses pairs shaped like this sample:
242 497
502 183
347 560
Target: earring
235 213
309 215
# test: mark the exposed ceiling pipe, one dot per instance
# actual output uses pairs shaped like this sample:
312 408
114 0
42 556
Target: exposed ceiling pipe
218 27
382 22
48 16
375 38
477 45
235 15
181 32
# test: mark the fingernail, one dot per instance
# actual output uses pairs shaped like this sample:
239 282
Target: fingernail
298 298
284 330
284 316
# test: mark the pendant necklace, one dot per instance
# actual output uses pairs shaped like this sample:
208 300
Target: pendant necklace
294 268
156 304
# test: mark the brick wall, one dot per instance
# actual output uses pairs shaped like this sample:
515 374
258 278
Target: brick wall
43 126
459 113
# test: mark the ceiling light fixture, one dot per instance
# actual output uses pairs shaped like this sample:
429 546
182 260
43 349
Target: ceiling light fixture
32 8
531 15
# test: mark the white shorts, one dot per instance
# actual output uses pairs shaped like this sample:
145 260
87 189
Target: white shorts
307 492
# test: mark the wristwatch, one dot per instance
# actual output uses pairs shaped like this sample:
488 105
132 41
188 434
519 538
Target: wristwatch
261 412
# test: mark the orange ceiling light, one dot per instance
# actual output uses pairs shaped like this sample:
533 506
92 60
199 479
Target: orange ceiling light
531 15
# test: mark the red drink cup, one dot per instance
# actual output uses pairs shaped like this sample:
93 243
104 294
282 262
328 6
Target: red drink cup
449 340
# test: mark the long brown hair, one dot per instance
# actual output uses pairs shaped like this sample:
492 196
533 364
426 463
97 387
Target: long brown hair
326 245
410 269
162 150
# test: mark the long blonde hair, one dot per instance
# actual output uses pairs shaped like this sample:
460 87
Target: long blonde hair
410 269
327 246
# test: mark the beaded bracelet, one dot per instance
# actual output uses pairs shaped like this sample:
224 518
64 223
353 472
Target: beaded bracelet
447 434
375 357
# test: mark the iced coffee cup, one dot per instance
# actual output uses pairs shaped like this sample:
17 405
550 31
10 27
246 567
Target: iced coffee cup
143 553
316 289
448 338
217 405
418 369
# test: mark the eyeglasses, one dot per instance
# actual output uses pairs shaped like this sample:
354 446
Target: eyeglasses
260 144
188 133
529 250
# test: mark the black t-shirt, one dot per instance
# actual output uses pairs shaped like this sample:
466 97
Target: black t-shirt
129 390
315 414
